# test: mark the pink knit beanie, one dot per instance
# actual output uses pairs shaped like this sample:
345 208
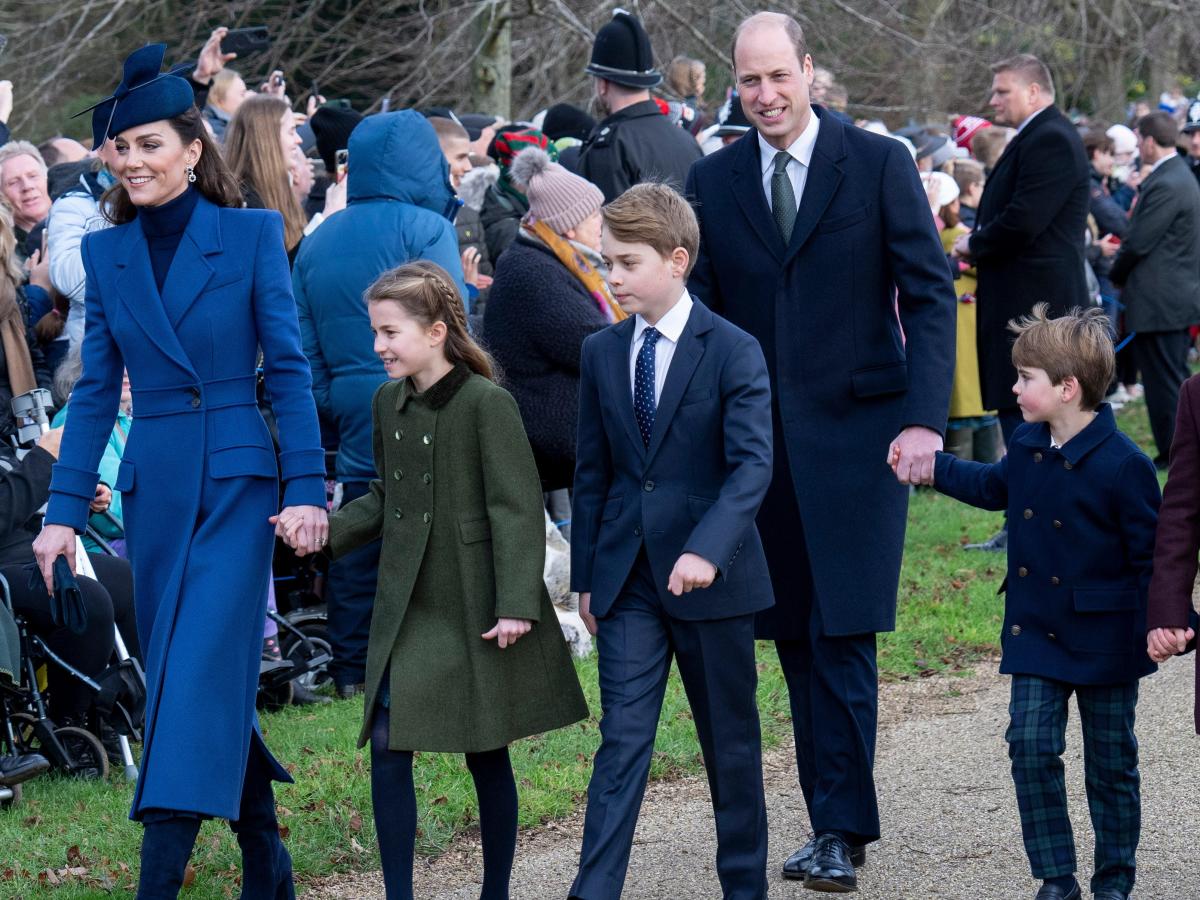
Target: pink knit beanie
557 197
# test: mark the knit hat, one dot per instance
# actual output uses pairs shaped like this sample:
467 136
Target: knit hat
510 141
332 126
557 197
1124 140
564 120
965 129
940 188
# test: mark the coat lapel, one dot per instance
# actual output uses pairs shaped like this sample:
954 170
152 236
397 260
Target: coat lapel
139 294
190 271
748 190
824 176
683 366
621 337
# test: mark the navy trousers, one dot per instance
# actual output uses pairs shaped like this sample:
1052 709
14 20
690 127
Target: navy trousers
636 643
350 599
1036 736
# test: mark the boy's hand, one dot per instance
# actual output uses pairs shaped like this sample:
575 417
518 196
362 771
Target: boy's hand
912 454
1163 643
585 612
508 631
690 572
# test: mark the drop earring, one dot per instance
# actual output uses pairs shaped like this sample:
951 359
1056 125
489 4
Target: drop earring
191 174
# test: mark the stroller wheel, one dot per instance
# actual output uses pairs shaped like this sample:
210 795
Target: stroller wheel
87 751
295 650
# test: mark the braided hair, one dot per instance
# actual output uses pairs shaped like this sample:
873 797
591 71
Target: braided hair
427 293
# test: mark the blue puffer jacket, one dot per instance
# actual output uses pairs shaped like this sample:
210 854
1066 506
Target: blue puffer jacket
399 208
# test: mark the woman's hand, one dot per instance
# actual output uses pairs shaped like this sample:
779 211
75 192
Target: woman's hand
335 197
303 528
508 631
38 269
1163 643
53 542
103 498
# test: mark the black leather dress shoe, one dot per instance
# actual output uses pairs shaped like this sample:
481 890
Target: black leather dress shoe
796 865
1053 892
349 691
17 769
831 870
1109 895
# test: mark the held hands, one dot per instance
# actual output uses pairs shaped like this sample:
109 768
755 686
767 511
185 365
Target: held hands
54 541
690 572
508 631
912 454
585 612
1163 643
962 246
303 528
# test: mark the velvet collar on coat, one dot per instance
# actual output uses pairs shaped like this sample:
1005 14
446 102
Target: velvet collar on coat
441 393
1083 443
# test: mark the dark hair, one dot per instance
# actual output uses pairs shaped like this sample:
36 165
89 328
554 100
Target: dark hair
213 178
427 293
1097 142
1160 127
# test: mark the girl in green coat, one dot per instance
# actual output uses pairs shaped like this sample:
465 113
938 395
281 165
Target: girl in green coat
465 651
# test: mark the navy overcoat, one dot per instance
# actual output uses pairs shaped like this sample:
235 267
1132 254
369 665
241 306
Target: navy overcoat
198 480
850 366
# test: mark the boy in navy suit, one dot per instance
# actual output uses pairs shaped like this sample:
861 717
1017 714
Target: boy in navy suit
1082 504
674 459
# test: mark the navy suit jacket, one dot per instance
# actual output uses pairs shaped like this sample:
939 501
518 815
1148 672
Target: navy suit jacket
695 489
1081 523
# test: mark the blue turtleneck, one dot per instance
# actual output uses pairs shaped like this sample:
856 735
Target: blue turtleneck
164 227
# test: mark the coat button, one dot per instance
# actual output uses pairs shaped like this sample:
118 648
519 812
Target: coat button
195 398
398 513
1028 514
1054 580
399 434
1057 524
427 478
397 474
1022 571
1066 464
637 530
1037 457
428 517
1016 629
1052 636
427 438
648 486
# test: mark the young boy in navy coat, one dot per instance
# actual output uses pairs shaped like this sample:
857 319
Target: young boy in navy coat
674 458
1082 503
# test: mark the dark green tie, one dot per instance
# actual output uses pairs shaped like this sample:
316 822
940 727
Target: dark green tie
783 198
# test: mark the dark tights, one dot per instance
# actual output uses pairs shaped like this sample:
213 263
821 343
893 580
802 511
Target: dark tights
395 804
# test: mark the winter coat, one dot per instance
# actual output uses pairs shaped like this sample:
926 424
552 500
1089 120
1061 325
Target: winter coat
501 219
397 211
73 215
459 508
636 144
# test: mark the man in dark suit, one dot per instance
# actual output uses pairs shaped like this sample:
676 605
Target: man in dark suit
674 457
1158 266
817 239
1027 244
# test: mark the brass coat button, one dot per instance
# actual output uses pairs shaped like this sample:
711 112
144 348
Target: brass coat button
398 513
1016 629
427 439
1052 636
1054 580
1057 524
1028 514
397 474
427 478
1022 571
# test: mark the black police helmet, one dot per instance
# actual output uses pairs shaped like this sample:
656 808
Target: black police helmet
622 53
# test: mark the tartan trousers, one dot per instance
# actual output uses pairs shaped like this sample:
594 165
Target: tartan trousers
1036 737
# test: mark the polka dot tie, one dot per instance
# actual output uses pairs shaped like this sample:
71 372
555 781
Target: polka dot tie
644 404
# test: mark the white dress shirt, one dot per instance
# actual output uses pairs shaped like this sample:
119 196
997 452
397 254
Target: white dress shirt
1161 160
800 151
670 327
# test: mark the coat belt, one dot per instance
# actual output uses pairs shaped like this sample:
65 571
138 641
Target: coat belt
193 398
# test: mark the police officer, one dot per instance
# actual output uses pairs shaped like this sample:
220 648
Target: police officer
1192 129
636 142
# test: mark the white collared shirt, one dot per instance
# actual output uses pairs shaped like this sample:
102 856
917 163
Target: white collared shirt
1163 159
1031 117
800 151
670 328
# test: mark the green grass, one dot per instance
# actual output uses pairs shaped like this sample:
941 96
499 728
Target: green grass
949 618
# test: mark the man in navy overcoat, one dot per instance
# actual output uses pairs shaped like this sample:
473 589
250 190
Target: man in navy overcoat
828 254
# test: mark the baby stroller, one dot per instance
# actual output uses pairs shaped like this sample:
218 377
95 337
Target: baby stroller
303 632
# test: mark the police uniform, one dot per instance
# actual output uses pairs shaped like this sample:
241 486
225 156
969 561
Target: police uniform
638 143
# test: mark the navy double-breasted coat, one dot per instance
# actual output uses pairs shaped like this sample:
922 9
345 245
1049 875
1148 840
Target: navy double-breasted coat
198 480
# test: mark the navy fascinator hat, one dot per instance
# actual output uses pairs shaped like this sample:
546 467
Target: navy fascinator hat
145 94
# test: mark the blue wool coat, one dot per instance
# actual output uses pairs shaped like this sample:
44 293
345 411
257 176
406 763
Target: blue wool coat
1081 522
198 479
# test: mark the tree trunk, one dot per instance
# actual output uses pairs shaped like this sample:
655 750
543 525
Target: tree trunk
491 86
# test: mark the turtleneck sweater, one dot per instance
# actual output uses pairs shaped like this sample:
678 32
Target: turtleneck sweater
164 227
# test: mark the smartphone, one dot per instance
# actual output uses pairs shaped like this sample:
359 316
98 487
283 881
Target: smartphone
385 105
244 41
277 80
342 160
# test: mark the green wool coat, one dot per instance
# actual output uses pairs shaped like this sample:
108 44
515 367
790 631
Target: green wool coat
458 504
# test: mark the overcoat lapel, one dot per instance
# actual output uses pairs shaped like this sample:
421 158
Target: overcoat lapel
139 294
683 366
748 190
824 176
620 337
190 271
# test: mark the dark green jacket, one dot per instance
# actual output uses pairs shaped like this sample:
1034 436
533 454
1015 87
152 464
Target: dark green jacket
458 504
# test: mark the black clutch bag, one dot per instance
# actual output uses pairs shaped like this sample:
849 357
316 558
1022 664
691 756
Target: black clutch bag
66 600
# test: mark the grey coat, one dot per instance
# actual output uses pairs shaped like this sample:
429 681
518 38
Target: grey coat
1159 261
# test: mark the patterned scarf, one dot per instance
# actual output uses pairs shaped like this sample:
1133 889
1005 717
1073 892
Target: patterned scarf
592 280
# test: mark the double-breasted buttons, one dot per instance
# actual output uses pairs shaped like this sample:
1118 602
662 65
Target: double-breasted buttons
1015 630
399 434
1052 636
1028 514
427 478
398 513
1066 464
428 517
648 486
1054 580
195 398
1057 524
637 530
1037 457
398 474
1022 572
427 438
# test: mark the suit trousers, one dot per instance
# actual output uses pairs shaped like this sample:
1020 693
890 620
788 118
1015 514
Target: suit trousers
1162 357
1036 736
636 642
350 599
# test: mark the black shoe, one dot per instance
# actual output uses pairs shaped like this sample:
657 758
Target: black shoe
302 696
17 769
831 870
1054 892
997 543
797 864
1110 894
349 691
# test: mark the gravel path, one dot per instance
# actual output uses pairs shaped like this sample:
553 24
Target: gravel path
949 814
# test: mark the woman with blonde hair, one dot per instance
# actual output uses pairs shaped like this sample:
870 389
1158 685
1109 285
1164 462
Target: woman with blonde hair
258 149
686 81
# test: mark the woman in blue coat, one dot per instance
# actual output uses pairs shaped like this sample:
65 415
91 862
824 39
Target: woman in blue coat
183 292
